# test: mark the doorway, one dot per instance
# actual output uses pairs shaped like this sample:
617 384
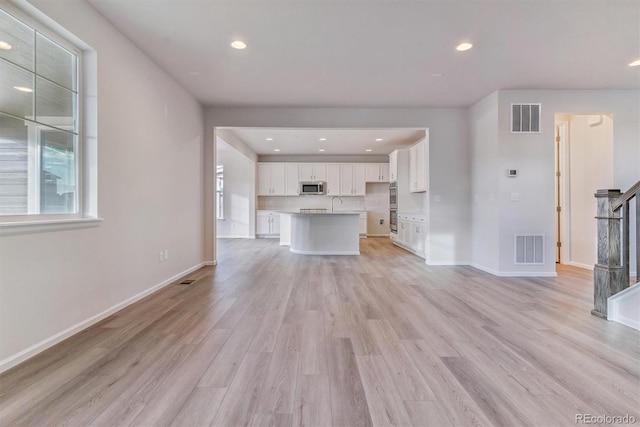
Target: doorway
583 164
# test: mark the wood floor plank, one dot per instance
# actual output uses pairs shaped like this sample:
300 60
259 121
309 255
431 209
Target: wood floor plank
314 353
313 401
383 400
243 394
348 401
200 407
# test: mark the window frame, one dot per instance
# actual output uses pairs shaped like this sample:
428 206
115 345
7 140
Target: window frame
35 222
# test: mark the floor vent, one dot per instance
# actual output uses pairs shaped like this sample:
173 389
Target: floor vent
525 118
187 282
529 249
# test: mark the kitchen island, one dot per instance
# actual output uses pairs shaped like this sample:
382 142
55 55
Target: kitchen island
321 233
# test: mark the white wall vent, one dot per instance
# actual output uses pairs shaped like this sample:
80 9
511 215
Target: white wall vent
529 249
525 118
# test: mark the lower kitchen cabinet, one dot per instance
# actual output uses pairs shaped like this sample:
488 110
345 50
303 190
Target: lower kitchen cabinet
362 224
267 224
412 233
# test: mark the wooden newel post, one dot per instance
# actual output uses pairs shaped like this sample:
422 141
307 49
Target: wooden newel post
608 274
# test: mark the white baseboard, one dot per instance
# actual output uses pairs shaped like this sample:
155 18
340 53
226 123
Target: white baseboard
429 262
515 273
29 352
296 251
235 237
579 265
209 263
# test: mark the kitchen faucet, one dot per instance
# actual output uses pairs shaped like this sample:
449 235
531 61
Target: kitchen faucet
332 199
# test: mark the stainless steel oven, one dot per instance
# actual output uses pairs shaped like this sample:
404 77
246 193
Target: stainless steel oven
393 207
393 196
393 221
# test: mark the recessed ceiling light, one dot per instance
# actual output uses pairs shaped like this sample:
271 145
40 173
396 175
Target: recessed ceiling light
276 149
464 46
634 63
23 89
5 45
323 139
320 149
237 44
378 139
269 139
368 149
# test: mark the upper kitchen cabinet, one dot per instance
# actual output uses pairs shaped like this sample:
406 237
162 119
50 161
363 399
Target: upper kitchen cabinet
271 179
312 172
393 166
419 166
333 179
291 181
352 177
377 172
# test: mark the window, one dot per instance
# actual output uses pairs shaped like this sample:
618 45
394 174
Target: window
38 122
220 191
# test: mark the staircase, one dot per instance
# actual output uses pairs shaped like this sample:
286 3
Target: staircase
613 298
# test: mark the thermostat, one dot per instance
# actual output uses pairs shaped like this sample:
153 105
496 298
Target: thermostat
512 172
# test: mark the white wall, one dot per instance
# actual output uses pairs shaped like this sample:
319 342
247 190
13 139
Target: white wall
449 159
376 201
590 168
150 196
533 156
483 118
239 193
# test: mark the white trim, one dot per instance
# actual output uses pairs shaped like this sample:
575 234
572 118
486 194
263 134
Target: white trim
429 262
37 226
378 235
613 313
579 265
515 273
296 251
235 237
28 353
209 263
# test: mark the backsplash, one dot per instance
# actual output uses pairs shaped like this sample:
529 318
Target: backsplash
309 202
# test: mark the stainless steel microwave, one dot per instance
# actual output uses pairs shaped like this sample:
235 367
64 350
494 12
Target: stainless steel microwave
313 187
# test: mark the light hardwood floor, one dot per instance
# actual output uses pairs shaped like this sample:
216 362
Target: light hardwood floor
270 338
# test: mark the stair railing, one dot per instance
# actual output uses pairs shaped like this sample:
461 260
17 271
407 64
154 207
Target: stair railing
611 273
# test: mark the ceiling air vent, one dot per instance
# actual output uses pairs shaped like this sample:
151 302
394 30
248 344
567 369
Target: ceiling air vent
525 118
529 249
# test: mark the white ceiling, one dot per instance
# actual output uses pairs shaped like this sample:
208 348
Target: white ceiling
381 53
337 141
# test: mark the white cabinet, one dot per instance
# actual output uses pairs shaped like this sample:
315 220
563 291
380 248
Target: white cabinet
333 179
393 166
271 179
362 224
377 172
352 179
291 182
312 171
268 223
412 233
418 166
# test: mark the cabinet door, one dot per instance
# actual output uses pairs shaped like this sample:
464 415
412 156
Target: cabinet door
291 183
384 172
333 179
372 172
277 179
359 184
362 222
319 172
264 179
305 171
275 224
404 232
393 166
263 224
346 180
421 167
417 238
413 164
